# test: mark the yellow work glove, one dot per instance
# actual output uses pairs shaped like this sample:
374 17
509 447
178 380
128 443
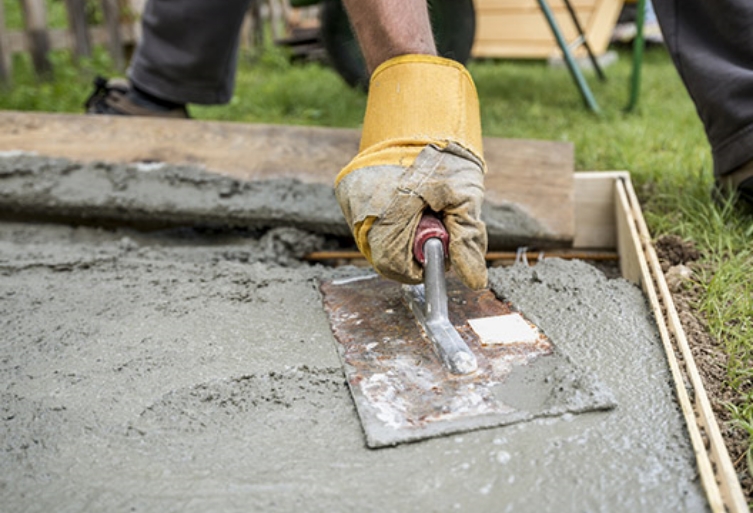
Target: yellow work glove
420 149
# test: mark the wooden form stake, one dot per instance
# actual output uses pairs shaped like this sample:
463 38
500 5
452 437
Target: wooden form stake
79 36
257 25
35 19
5 55
111 12
78 29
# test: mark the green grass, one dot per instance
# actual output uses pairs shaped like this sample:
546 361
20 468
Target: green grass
55 9
270 90
662 144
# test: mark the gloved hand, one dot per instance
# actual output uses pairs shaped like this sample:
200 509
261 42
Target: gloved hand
420 149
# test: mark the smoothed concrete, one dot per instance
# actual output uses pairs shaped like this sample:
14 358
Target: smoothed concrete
180 372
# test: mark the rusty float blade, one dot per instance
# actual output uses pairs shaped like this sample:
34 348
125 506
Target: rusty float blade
403 393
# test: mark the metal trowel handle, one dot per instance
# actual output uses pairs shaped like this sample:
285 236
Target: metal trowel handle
429 227
430 247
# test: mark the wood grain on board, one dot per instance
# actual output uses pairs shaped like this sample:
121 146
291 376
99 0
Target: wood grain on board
535 176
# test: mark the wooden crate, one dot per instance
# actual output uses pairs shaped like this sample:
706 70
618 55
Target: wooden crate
518 29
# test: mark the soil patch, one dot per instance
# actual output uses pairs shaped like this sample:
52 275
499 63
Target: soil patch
709 355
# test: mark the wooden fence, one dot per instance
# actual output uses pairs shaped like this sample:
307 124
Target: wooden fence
118 30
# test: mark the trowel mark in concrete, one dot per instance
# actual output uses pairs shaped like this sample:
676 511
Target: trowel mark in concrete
108 416
260 402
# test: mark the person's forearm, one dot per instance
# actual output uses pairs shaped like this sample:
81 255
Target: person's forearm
390 28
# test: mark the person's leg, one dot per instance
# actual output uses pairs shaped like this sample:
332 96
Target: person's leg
711 43
188 50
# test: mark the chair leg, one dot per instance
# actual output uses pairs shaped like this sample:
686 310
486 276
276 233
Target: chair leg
572 65
638 45
584 41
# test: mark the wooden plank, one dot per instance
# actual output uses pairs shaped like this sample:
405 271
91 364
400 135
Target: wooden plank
632 265
111 13
536 177
632 249
518 29
595 214
527 27
78 28
6 70
35 20
715 466
518 50
599 25
525 35
491 256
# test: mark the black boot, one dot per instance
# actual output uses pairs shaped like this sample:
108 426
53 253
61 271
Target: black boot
119 97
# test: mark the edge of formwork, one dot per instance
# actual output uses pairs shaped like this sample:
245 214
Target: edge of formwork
608 215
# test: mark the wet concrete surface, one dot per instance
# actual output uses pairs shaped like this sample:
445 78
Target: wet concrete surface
181 371
156 195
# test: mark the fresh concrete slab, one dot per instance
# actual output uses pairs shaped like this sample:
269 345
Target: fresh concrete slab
185 371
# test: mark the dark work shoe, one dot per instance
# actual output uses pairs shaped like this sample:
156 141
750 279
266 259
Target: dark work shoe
117 97
738 185
745 192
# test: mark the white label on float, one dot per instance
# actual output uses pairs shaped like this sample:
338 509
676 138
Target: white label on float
504 329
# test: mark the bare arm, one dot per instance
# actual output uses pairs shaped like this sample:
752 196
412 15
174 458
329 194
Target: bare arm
390 28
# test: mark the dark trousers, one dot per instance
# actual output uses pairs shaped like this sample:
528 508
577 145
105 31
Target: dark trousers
711 43
188 50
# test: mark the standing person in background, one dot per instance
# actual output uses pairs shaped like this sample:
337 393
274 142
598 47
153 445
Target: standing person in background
711 44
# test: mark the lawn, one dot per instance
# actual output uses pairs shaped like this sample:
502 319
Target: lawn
662 144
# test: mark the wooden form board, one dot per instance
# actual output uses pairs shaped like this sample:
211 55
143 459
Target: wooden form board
518 28
604 198
536 176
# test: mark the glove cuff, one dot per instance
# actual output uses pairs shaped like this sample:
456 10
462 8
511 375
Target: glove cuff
416 100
